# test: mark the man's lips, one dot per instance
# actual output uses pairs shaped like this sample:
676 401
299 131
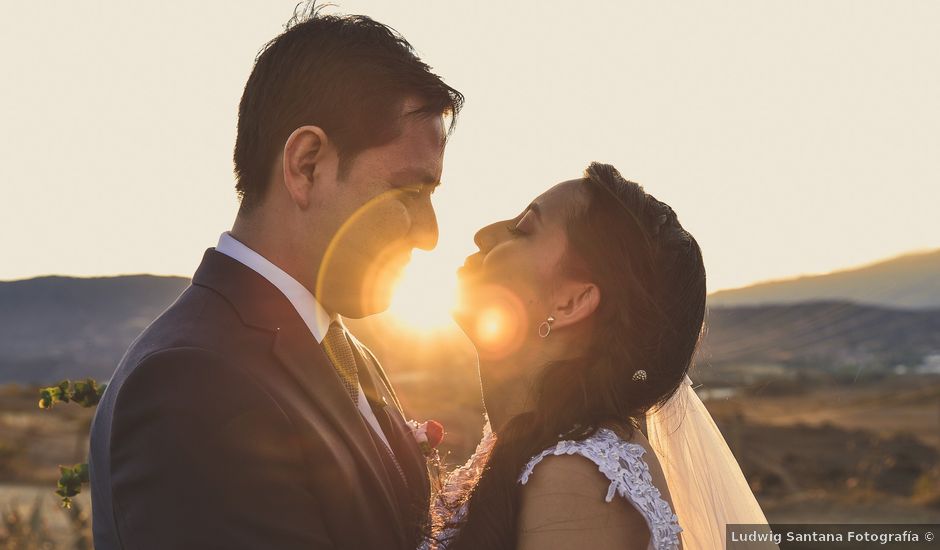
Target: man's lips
399 266
393 264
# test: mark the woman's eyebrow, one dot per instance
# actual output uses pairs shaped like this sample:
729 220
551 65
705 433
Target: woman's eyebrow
534 207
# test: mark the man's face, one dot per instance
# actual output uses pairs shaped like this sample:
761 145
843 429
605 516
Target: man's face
382 211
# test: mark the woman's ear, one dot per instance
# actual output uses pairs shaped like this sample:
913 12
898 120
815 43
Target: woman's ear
576 301
304 149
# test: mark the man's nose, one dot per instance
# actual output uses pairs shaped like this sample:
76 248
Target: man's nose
424 227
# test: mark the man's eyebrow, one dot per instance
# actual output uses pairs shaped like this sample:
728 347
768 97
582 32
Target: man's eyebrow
411 176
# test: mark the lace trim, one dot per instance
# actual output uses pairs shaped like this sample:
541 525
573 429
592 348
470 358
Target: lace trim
629 476
456 488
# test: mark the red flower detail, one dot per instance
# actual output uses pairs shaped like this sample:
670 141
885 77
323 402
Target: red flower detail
435 433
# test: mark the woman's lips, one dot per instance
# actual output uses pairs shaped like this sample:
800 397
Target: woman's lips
472 261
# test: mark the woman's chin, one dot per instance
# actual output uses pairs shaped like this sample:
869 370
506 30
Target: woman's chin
464 319
465 309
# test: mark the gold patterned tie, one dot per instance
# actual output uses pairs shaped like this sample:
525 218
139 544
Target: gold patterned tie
341 355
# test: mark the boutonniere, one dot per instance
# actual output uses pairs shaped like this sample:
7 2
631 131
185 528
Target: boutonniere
428 435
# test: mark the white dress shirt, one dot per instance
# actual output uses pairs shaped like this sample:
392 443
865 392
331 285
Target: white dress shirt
310 310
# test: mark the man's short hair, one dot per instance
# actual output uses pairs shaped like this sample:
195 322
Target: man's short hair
347 74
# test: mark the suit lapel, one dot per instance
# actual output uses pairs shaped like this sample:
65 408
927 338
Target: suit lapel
385 407
376 372
409 455
316 375
261 305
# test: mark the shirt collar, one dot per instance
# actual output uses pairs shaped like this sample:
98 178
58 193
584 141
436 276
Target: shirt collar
315 317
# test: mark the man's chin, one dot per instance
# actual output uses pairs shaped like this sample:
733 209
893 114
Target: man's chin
364 302
378 288
377 302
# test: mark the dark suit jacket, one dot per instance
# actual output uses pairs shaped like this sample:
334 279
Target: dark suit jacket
226 426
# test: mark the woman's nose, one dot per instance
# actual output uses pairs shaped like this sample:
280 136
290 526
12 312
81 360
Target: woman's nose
487 237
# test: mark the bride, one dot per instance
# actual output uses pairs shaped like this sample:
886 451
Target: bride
586 310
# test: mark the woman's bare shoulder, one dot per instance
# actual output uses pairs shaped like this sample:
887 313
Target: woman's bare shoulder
563 506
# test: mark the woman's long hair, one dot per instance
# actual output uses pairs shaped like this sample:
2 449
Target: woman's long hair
652 285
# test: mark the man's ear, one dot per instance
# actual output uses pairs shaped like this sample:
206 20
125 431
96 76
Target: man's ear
304 150
575 302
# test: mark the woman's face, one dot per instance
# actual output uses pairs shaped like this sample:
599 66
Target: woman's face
507 287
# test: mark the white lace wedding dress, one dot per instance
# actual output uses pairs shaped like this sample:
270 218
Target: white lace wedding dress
619 461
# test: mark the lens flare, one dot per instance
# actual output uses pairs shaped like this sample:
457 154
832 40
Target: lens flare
494 319
490 324
425 294
384 268
383 274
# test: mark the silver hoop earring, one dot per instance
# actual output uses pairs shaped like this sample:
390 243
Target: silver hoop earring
546 327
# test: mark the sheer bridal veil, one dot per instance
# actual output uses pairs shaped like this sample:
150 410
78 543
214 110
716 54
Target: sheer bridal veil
707 487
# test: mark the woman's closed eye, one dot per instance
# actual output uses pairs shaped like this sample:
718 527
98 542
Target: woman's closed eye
514 230
520 226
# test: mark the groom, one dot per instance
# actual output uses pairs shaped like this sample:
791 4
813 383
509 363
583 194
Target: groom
246 416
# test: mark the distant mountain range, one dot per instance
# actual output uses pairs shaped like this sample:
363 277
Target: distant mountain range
887 313
826 334
60 327
911 281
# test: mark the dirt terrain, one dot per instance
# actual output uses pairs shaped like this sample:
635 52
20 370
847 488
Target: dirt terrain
862 452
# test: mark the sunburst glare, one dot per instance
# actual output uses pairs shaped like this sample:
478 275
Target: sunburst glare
496 319
491 324
426 293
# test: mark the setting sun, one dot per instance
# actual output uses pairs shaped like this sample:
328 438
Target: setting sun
426 293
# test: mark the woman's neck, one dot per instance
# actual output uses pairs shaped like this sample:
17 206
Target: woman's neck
506 397
505 404
509 389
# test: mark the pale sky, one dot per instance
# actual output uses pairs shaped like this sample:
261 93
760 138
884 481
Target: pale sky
790 137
